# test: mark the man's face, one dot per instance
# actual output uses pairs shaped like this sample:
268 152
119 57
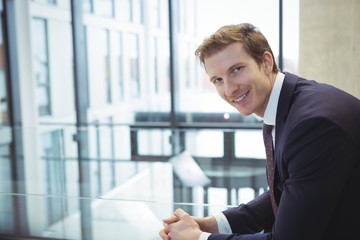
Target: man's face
239 80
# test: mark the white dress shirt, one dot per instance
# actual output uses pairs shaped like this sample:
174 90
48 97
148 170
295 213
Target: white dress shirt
270 119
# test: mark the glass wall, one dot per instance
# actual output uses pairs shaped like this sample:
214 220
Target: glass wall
291 36
7 218
208 16
41 65
54 167
128 57
148 99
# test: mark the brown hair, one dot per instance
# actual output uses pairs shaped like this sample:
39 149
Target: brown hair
254 42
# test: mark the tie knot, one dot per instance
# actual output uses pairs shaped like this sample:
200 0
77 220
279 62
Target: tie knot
267 128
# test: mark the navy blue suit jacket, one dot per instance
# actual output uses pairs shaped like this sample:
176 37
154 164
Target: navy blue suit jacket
317 161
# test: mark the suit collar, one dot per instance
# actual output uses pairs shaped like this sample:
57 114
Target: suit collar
286 94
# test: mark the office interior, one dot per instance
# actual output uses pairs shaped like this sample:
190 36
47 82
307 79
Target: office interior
108 123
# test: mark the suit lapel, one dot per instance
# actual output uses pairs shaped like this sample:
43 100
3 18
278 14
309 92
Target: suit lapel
286 94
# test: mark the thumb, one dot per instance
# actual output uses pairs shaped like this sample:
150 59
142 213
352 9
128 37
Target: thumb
180 213
171 219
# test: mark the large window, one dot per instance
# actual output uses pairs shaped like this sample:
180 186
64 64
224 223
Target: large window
133 61
54 166
291 36
6 206
117 49
41 65
143 88
194 85
104 7
99 67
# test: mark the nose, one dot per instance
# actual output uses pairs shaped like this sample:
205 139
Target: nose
230 88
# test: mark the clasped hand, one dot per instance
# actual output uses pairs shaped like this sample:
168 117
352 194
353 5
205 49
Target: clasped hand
181 226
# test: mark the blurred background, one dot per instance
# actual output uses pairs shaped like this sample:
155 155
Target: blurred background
97 97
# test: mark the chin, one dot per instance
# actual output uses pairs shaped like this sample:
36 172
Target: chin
245 113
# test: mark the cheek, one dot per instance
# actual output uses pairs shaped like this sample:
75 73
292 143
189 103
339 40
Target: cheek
221 92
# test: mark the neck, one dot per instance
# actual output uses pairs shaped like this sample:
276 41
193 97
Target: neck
271 77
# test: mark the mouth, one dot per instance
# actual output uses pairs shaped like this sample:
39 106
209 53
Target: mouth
242 97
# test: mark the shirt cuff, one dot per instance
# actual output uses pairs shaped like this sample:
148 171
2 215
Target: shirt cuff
223 224
204 236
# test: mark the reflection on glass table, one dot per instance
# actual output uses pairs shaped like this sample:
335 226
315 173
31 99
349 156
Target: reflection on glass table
119 197
109 218
144 194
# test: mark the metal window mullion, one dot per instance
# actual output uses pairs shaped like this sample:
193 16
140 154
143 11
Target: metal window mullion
81 106
17 151
174 76
280 65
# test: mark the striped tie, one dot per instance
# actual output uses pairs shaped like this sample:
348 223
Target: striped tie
267 130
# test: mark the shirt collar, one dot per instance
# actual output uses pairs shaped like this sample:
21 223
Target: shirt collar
271 108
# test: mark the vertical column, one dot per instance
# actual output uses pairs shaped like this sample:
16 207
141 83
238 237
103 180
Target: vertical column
81 102
329 42
16 121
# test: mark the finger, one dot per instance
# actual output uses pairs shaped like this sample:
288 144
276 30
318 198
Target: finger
180 213
164 235
171 219
166 228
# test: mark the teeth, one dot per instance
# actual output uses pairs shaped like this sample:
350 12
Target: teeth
241 98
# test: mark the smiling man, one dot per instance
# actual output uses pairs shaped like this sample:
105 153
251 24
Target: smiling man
314 165
239 80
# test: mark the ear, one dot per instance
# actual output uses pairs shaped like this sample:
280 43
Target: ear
268 62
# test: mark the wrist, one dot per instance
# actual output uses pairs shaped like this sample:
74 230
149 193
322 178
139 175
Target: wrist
208 224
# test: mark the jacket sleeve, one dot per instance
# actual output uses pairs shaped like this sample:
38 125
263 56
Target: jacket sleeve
253 217
248 220
256 236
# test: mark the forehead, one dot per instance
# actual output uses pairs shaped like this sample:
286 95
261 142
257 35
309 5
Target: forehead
226 58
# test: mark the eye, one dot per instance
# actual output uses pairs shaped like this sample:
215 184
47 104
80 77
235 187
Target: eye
216 80
235 71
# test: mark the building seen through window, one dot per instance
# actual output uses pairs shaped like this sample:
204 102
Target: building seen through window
41 65
146 99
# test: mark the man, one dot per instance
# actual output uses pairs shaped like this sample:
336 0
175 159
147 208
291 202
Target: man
316 157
